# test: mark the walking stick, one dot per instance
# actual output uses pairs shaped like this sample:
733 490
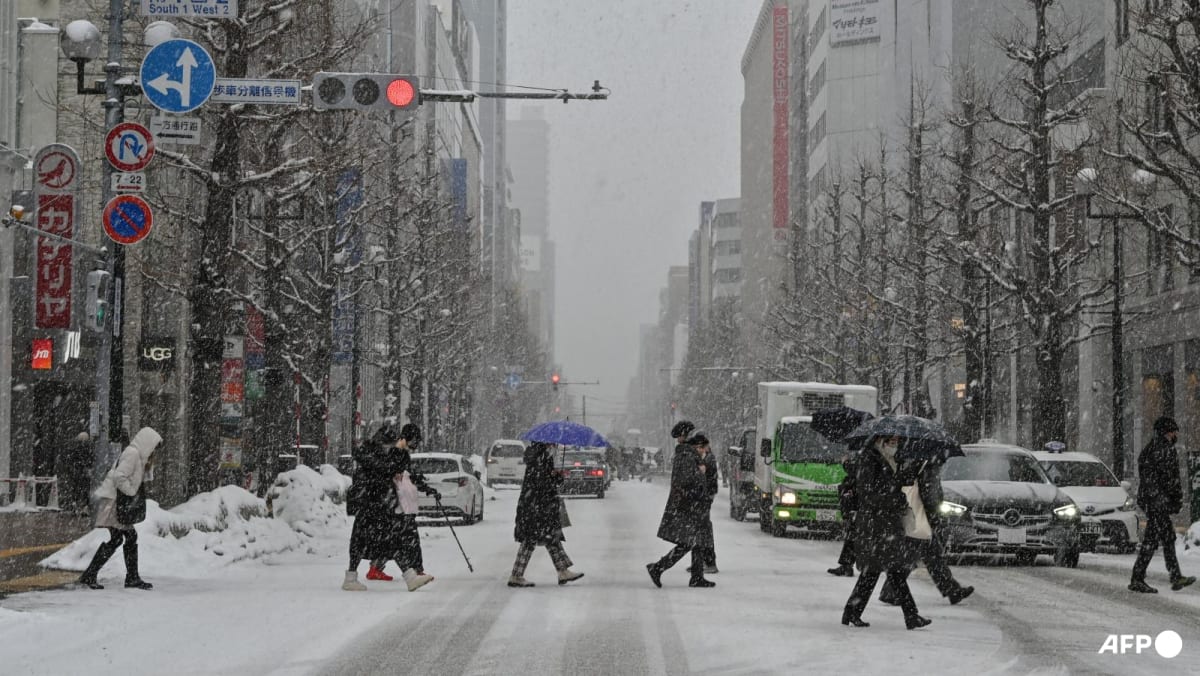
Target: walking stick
438 499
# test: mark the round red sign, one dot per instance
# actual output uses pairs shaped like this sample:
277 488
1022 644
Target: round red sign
129 147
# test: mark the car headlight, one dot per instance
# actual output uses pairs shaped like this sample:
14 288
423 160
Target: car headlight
1129 506
787 498
951 509
1067 511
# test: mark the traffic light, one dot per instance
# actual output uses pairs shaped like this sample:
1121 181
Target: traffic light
554 381
97 299
365 91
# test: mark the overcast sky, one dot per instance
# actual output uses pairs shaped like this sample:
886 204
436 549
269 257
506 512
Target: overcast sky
628 174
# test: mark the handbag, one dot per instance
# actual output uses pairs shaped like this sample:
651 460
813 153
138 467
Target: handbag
131 509
406 492
564 519
916 525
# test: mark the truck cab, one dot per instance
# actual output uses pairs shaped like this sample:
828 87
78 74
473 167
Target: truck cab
797 470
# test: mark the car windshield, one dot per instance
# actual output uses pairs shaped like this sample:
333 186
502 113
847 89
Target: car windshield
994 467
1080 473
435 465
800 443
507 451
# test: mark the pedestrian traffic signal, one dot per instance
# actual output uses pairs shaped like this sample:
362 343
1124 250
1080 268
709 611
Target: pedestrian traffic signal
365 91
554 381
97 299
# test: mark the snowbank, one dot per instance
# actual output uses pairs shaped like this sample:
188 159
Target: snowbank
1191 541
225 526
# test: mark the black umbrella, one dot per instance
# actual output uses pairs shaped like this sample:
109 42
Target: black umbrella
920 438
835 423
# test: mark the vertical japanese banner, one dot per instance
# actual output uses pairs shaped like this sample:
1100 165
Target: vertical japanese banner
780 161
233 396
55 189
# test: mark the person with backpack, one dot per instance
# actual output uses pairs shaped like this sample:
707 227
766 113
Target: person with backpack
122 505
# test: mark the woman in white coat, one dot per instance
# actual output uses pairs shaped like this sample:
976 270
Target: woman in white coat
125 477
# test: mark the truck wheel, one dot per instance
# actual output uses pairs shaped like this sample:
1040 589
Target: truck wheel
1067 558
600 495
1026 558
764 523
778 528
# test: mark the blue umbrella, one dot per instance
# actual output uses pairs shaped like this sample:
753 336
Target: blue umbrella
565 433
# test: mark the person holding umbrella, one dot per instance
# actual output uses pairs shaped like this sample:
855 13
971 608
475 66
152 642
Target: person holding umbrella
708 462
539 518
686 513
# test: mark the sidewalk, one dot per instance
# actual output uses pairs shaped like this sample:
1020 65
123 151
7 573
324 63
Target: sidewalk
29 537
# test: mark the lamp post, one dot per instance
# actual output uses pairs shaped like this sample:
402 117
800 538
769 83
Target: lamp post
1085 186
82 44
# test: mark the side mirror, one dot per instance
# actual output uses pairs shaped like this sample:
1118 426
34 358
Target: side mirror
764 448
1127 486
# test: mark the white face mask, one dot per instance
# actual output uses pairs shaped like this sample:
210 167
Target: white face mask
888 449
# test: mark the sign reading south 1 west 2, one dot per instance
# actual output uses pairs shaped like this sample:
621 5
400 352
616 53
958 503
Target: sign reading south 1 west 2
208 9
178 76
127 219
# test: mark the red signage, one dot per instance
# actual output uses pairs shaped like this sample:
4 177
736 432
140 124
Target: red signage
129 147
233 381
56 171
43 354
780 159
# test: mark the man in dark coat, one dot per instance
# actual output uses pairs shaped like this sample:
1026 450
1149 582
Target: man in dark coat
708 460
371 499
929 484
686 521
1160 495
879 533
539 516
848 504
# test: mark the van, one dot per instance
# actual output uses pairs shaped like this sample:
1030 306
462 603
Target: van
505 462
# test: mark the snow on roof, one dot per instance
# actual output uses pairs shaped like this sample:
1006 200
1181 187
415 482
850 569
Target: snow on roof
1072 456
995 447
508 442
444 456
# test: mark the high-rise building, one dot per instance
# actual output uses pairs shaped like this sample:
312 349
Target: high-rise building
529 157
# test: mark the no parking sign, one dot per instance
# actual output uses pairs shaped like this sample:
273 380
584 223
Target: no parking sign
127 219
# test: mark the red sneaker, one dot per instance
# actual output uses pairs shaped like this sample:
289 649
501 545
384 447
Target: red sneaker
375 574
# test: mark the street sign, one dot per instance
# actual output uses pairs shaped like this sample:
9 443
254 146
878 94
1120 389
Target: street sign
129 147
57 177
245 90
178 76
127 219
135 182
181 9
184 131
512 382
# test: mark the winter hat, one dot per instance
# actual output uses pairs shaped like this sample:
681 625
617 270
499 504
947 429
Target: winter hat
698 439
1165 425
410 433
682 429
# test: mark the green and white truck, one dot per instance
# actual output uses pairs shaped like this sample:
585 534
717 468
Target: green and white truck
797 471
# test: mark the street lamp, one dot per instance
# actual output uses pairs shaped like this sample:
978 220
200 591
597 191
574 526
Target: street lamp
1143 181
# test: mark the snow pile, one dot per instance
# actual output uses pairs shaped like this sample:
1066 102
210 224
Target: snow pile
226 525
1191 541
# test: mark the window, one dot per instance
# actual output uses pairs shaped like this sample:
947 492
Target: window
728 248
1122 21
817 83
994 466
816 134
435 466
800 443
818 28
728 275
1080 473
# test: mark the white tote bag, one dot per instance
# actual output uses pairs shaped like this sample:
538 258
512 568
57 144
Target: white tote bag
916 525
407 492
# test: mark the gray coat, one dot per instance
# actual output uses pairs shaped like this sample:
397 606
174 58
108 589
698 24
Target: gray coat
685 519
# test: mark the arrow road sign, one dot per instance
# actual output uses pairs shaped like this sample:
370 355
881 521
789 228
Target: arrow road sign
127 219
129 147
178 76
184 131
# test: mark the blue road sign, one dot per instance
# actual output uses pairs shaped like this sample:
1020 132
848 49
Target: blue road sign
178 76
512 381
127 219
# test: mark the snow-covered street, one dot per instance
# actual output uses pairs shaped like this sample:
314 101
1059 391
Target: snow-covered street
774 610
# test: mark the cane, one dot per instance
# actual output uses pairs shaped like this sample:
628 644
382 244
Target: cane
438 499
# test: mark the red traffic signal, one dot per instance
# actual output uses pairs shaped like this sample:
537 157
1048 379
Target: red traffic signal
365 91
400 92
554 381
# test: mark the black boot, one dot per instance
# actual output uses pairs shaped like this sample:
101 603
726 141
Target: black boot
1141 587
132 579
1181 582
90 582
655 574
916 621
850 619
699 581
959 594
844 570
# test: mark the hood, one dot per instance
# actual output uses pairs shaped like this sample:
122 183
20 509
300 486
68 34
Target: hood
1002 493
146 441
1100 497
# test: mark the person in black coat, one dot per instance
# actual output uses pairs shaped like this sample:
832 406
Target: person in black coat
708 460
879 533
932 552
372 499
848 504
1160 495
686 521
539 516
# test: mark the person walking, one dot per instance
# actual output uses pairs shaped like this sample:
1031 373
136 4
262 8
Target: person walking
848 504
372 499
709 461
539 517
122 505
881 526
1160 495
931 551
686 514
403 541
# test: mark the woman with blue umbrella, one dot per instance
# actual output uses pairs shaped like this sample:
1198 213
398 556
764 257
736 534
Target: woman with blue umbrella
539 518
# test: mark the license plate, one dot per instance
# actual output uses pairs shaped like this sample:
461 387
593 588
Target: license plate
1089 528
1011 536
576 473
826 515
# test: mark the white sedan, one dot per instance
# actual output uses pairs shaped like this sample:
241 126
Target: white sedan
456 479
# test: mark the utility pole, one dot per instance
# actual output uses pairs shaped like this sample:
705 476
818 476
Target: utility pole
585 409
